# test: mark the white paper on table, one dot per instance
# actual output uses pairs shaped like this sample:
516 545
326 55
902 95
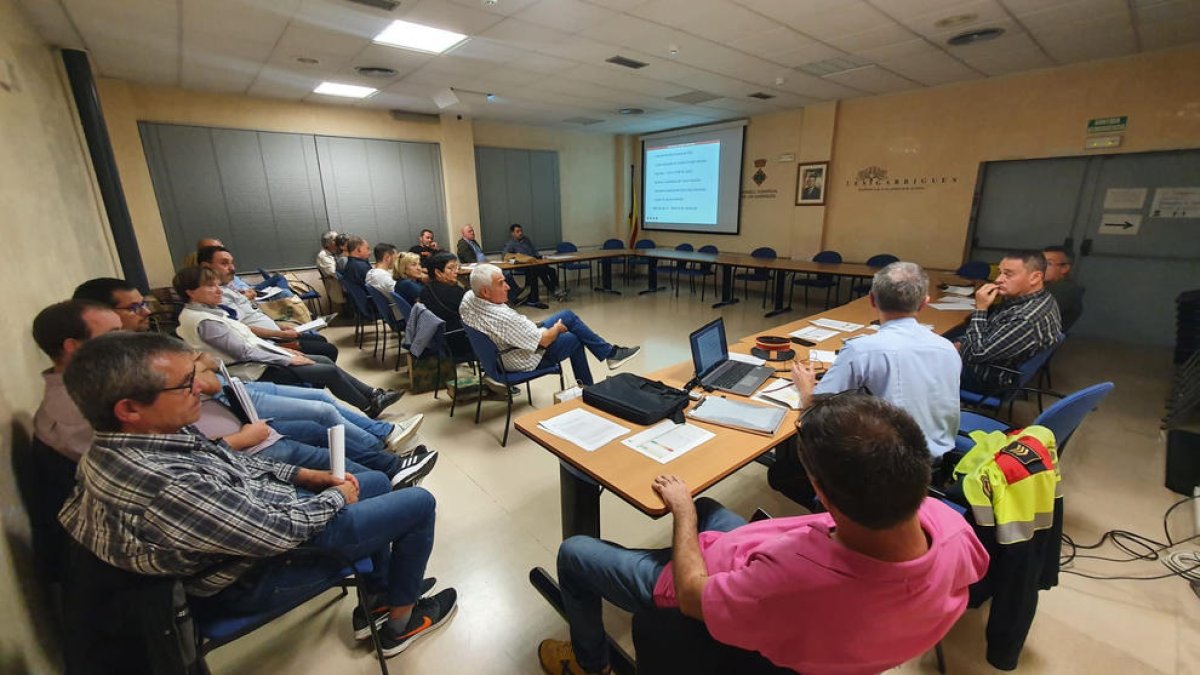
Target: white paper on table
956 300
666 440
267 293
844 326
966 291
952 306
876 327
565 256
467 267
813 333
746 358
585 429
780 392
822 355
337 451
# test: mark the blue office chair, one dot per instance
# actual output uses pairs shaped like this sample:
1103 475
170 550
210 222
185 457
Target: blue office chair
364 311
706 270
976 270
309 297
390 320
878 261
1019 380
579 266
612 245
637 261
488 357
1063 418
757 274
827 281
678 267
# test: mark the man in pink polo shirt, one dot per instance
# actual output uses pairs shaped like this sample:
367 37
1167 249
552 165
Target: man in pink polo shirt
874 582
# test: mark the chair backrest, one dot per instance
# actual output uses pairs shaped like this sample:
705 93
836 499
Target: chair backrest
881 260
1033 364
402 304
358 296
684 247
1065 416
709 248
975 269
827 257
384 308
566 247
485 352
613 243
645 243
765 252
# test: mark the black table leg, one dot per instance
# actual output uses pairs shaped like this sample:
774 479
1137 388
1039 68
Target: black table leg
580 504
652 278
727 297
606 278
781 278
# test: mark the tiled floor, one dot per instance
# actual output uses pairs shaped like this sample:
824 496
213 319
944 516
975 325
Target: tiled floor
498 517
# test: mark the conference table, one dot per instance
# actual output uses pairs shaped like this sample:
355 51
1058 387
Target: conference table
629 474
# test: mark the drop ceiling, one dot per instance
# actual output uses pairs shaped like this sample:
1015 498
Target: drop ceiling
545 60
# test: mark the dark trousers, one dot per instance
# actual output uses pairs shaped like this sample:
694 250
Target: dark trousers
546 275
313 344
325 373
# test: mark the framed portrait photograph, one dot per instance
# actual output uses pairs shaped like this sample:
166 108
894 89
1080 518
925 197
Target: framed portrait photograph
810 184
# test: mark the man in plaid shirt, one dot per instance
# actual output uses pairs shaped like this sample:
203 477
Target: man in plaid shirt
155 497
1009 333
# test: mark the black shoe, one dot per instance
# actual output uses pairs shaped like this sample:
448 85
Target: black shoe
428 615
538 305
414 467
381 400
620 355
379 612
523 295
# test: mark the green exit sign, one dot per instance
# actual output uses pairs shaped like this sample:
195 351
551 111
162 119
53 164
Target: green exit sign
1104 125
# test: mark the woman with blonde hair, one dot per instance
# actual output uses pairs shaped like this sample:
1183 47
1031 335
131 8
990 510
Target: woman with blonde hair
411 276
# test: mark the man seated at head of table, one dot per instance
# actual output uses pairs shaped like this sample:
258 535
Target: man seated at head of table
1059 283
1007 333
904 362
876 581
525 345
522 244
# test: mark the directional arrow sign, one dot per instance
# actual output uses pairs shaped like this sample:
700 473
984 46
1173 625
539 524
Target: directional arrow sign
1120 223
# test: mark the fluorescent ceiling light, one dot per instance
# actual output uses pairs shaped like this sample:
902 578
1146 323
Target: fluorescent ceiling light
346 90
421 38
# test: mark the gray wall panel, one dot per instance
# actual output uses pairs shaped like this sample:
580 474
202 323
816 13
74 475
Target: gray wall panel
518 186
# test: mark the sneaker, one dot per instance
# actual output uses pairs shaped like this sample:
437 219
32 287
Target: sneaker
558 658
620 355
381 400
428 615
413 468
402 431
379 614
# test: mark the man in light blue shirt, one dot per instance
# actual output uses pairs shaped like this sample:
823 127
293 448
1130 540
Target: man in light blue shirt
905 363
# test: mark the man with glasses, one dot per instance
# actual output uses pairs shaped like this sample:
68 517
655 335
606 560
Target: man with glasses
1060 284
120 295
155 498
885 565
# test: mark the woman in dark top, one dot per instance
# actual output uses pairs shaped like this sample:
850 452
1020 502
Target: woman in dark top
443 294
410 276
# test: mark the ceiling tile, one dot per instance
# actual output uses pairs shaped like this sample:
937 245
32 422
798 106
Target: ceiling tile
52 23
503 8
1162 34
885 35
449 16
343 17
624 30
1048 14
915 47
256 22
987 12
570 16
716 20
822 88
806 53
847 19
305 39
620 5
872 79
1171 10
932 68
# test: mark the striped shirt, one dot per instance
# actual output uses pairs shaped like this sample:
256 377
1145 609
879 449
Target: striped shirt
1010 334
180 505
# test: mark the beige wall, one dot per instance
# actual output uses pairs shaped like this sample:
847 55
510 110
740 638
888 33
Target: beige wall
586 177
949 131
53 220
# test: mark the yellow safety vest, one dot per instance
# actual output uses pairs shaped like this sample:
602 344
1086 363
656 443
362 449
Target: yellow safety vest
1011 481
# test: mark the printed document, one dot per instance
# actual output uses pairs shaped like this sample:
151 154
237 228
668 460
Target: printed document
666 440
585 429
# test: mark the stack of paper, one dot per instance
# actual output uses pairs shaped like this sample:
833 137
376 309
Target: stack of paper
779 392
813 334
666 440
316 324
763 419
267 293
966 291
585 429
844 326
240 393
822 355
954 302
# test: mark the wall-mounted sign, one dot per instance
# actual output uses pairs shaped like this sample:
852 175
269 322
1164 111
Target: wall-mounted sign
1176 202
787 157
1124 198
1120 223
1102 142
877 178
1105 125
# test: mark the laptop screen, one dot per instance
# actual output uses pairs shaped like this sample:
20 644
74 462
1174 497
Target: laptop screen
708 347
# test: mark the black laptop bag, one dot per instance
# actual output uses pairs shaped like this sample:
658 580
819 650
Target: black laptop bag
636 399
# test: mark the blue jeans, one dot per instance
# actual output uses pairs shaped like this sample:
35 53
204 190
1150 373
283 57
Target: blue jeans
572 343
290 451
306 414
394 528
590 569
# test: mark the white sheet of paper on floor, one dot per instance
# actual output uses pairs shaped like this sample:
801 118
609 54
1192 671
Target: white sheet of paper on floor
666 440
822 355
813 333
780 391
746 358
585 429
337 451
844 326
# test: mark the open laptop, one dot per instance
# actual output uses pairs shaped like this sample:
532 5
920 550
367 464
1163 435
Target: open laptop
710 354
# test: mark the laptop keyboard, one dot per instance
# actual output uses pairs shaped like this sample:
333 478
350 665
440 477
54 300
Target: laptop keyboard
732 375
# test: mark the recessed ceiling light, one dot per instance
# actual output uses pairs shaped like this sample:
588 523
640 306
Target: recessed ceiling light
344 90
307 60
956 20
418 37
972 36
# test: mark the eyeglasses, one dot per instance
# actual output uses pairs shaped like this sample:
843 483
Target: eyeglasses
187 385
135 308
